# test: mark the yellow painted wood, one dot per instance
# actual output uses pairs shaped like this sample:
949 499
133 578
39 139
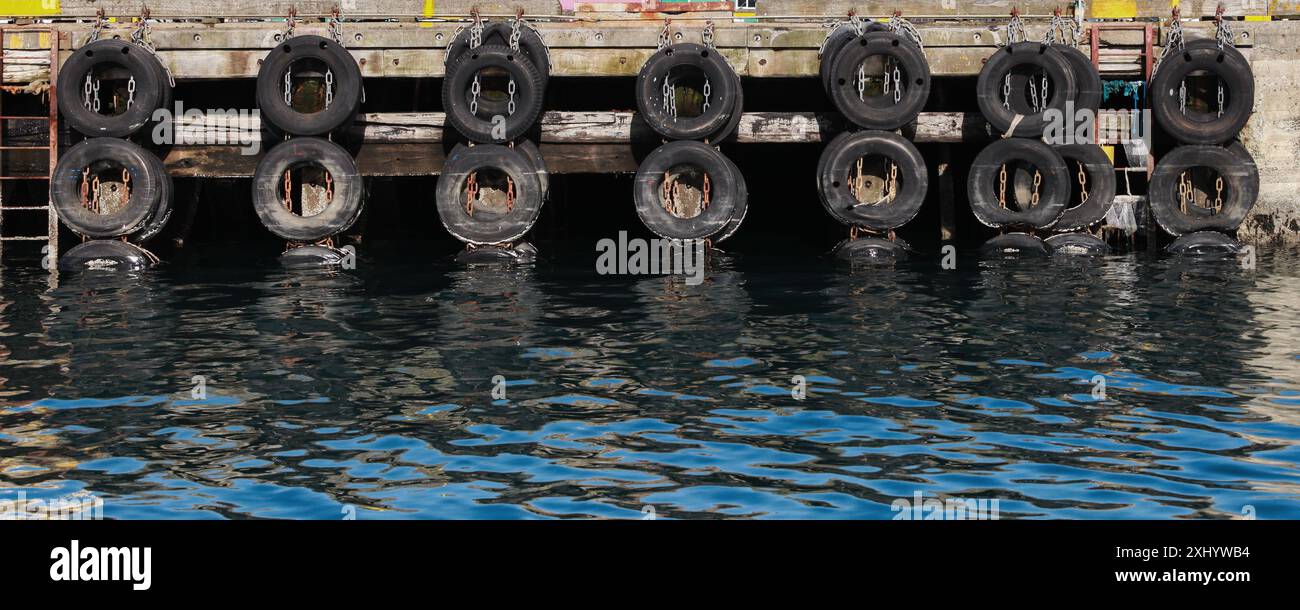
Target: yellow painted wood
30 7
1114 9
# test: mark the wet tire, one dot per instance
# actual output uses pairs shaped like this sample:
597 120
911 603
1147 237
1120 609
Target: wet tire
1208 244
347 86
477 226
871 250
650 94
649 183
1077 244
313 256
517 253
268 190
1227 64
880 112
146 187
1100 176
1013 245
1020 57
731 129
741 208
1241 181
839 37
534 155
838 162
982 184
479 126
162 211
142 65
105 255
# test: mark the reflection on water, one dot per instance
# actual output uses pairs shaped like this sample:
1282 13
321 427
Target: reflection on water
374 389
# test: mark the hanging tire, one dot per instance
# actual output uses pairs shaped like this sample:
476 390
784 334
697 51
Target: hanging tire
1087 80
1241 181
268 190
105 255
483 223
650 94
732 127
1014 245
145 190
839 37
138 62
741 208
347 86
1022 57
834 180
1077 244
478 124
531 47
1234 72
162 211
1206 244
1100 175
534 156
724 191
880 112
982 185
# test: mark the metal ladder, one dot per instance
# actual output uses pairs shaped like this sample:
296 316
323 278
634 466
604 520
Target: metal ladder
51 236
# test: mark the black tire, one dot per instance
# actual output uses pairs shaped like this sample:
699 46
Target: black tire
1087 80
1207 244
347 86
146 187
650 96
732 126
837 163
268 189
1023 56
871 250
313 256
105 255
143 67
1077 244
649 182
982 184
1100 173
741 209
1228 65
476 228
534 156
162 212
839 37
1011 245
456 98
1241 181
880 112
520 252
530 43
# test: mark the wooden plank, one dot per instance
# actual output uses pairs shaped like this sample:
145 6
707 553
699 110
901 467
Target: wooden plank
230 9
910 8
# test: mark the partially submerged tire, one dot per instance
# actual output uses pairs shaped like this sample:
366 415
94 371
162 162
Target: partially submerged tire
520 252
323 52
105 255
1023 58
835 179
1206 244
871 250
479 123
1099 176
108 155
314 256
493 220
693 159
1013 245
1077 244
880 112
983 184
701 62
1241 183
116 55
268 190
1229 66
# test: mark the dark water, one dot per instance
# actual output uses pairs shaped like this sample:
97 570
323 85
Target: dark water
372 389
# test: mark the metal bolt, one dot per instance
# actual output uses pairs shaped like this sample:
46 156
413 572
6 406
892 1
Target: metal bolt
197 38
600 36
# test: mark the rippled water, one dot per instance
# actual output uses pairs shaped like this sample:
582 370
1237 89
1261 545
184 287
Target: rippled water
373 389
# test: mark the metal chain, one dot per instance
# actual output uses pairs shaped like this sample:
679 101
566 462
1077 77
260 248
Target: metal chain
1218 194
510 194
511 88
707 36
704 202
1043 105
329 187
905 29
130 92
290 22
85 188
1033 94
664 35
1083 184
1002 186
1038 182
1174 41
670 205
288 86
126 182
100 24
143 36
862 82
515 34
474 90
288 190
1015 28
898 83
1223 35
1006 92
476 30
471 192
1184 191
892 190
708 92
859 26
336 26
329 87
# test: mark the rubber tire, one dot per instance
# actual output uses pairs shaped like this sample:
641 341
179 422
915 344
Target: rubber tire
983 172
147 186
1101 182
461 161
724 191
732 126
741 208
1209 244
162 211
885 115
268 186
528 82
105 255
988 88
1241 178
1077 244
872 250
312 256
499 33
1018 244
839 37
347 86
1087 80
142 65
649 91
833 177
1237 148
1230 66
520 252
534 155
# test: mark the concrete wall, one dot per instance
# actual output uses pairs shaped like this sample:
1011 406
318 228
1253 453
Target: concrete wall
1273 133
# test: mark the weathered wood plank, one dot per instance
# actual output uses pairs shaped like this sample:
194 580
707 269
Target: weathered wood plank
232 9
913 8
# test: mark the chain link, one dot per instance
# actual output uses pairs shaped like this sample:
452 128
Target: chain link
1015 28
904 28
1038 182
329 87
511 89
1002 186
288 190
1218 194
665 35
1083 184
475 89
335 25
130 92
1006 92
471 192
707 36
288 86
708 92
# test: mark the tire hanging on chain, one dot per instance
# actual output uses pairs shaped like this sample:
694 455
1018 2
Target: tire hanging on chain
990 181
904 185
162 211
1236 189
530 43
741 208
1006 111
883 112
78 206
721 191
838 37
656 92
1089 167
477 221
343 189
1235 76
144 72
463 100
340 96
